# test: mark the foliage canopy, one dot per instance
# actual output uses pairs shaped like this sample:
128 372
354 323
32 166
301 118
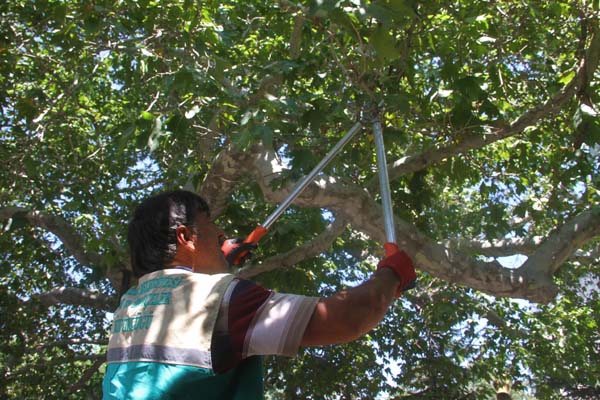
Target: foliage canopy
492 131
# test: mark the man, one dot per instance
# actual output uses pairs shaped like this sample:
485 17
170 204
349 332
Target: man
192 330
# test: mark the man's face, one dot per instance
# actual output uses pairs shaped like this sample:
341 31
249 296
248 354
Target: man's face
208 257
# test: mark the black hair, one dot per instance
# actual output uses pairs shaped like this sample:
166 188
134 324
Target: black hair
151 233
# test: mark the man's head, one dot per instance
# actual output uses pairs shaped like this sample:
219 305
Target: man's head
174 228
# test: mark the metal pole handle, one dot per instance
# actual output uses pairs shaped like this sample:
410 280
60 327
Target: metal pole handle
261 230
309 178
384 188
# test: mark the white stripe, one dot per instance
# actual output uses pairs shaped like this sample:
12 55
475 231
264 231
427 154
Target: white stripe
270 331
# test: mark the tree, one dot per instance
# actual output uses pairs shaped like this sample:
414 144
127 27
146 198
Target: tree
493 142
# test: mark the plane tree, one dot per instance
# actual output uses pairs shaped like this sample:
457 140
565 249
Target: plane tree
490 115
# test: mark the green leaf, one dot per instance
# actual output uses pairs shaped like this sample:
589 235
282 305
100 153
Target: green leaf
314 118
398 101
218 69
393 136
401 7
462 113
385 45
593 133
342 19
31 166
59 12
264 134
27 108
567 77
321 8
178 124
470 87
585 120
182 81
148 116
92 25
391 12
382 14
243 139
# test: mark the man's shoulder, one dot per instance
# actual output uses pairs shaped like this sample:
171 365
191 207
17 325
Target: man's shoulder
187 275
176 279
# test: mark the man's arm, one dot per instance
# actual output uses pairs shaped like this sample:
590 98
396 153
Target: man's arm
351 313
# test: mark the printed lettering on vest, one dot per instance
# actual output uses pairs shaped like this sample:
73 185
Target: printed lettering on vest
141 322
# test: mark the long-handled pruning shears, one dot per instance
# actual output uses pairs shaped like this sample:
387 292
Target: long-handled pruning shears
390 246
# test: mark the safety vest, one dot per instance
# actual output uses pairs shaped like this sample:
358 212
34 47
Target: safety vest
160 342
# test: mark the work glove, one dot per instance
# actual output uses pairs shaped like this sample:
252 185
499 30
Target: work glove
236 251
402 265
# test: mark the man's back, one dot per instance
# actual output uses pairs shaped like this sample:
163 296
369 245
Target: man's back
181 335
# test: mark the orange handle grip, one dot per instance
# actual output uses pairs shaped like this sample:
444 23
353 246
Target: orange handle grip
256 235
228 248
390 249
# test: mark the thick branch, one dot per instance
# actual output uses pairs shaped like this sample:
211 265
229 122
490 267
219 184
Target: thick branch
72 241
87 375
226 170
70 238
550 108
296 38
310 249
77 297
510 247
563 243
532 281
356 206
497 248
26 369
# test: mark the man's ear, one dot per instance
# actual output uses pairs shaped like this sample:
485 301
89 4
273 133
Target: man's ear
183 236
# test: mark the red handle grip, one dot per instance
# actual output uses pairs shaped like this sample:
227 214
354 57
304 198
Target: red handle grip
390 249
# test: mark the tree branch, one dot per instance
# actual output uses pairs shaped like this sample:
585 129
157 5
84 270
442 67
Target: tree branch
561 245
72 241
77 297
296 37
87 375
510 247
226 170
533 280
357 207
69 237
496 248
551 107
